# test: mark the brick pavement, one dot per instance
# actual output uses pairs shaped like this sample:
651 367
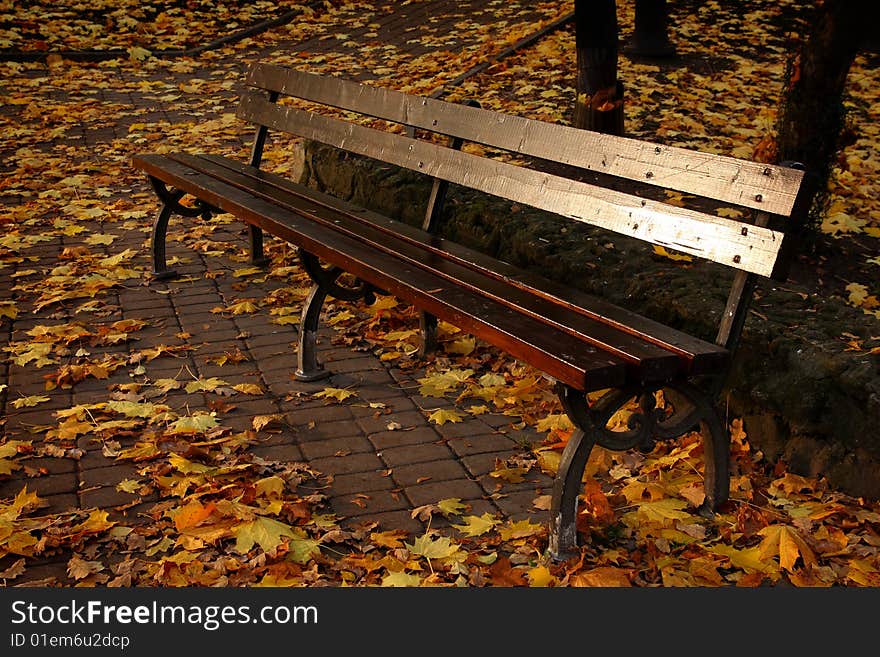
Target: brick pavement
384 462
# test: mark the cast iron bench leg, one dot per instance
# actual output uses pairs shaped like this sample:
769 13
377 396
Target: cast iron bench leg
255 237
692 408
308 367
170 205
326 280
157 244
566 492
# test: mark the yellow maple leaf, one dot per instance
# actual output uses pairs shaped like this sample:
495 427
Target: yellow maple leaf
8 309
451 506
401 579
748 559
339 394
671 255
555 421
603 576
100 239
839 223
247 271
461 346
663 511
786 543
433 547
540 576
390 539
139 54
242 307
248 388
265 532
261 421
31 400
520 529
205 385
444 415
510 475
198 423
477 525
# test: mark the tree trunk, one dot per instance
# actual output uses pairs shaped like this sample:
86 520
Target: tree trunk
812 115
650 34
599 103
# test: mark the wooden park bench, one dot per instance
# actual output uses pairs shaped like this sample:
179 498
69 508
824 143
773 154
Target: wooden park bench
583 343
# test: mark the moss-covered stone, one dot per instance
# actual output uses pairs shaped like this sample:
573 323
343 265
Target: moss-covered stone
803 397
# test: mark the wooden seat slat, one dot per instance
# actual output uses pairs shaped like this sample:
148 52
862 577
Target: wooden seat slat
749 248
657 356
769 188
553 351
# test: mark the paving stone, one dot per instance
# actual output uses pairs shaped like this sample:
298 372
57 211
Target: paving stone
418 473
105 496
336 465
316 449
399 437
282 453
41 572
355 366
299 416
270 352
434 491
406 420
471 427
393 404
531 481
383 393
388 521
50 465
134 515
365 379
233 373
326 430
481 444
431 403
519 505
485 462
284 339
285 436
93 457
396 456
45 485
361 482
108 476
377 501
60 503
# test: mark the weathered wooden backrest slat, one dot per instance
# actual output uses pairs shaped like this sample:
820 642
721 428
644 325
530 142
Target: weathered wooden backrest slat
770 188
749 248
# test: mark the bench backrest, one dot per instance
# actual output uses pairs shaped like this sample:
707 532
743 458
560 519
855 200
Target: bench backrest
760 190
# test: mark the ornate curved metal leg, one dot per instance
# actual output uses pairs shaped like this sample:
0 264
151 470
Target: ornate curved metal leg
692 408
326 283
170 205
308 367
157 244
566 492
568 483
